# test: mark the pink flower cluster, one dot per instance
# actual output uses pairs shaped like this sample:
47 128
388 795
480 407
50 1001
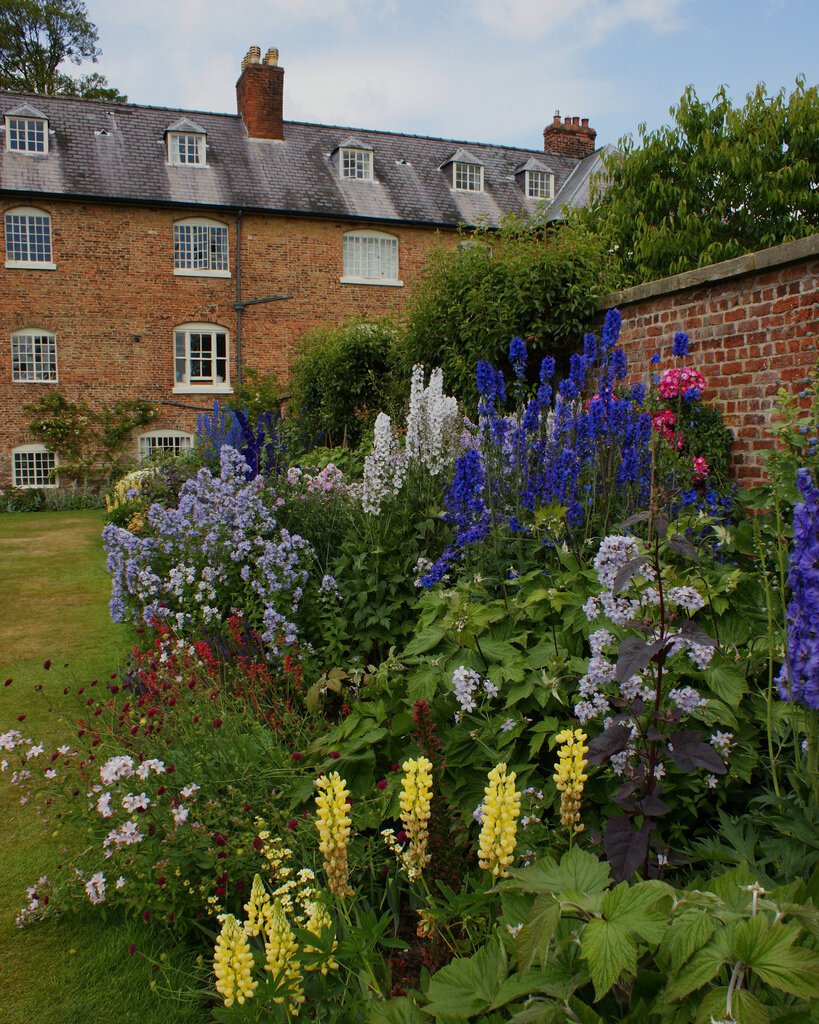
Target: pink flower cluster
664 422
677 381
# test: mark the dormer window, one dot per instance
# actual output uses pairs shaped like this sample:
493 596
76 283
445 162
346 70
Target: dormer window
186 144
536 179
26 130
464 172
355 160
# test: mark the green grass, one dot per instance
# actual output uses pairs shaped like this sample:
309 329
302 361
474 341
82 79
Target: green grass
54 595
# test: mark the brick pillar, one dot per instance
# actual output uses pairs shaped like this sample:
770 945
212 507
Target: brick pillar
260 95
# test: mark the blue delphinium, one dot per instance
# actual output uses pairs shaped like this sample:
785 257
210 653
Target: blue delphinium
517 357
801 684
655 359
680 348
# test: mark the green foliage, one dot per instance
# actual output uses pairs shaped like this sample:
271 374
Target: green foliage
341 378
706 435
518 281
587 951
37 36
720 181
91 443
257 394
41 499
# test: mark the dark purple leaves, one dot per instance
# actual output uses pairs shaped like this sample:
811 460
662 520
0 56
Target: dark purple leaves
612 741
634 655
625 849
691 631
627 571
689 752
683 547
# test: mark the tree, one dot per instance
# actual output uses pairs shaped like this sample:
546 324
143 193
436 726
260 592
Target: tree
717 183
37 36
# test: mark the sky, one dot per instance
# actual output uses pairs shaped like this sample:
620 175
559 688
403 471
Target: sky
474 70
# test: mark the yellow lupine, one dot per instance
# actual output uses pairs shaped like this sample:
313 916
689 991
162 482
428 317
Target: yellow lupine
501 809
233 963
281 951
318 919
257 908
416 789
333 824
569 776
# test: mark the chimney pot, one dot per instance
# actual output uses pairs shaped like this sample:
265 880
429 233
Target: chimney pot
567 120
556 118
253 56
576 122
271 58
584 122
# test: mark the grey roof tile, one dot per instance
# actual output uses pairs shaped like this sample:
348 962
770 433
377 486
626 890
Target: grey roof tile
117 152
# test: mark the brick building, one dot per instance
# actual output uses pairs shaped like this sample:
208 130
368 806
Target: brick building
141 243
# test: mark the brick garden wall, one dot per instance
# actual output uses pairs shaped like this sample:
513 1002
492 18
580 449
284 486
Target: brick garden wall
753 325
113 303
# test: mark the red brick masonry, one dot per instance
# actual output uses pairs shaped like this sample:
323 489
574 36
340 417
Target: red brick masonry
753 325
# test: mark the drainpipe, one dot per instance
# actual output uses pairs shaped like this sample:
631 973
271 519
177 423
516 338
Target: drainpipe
239 307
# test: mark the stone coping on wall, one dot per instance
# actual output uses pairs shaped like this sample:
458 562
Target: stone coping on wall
777 255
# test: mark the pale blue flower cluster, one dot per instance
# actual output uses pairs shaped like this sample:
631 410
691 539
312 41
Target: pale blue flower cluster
219 548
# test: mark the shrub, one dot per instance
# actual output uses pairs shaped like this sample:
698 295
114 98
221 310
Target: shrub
341 377
518 281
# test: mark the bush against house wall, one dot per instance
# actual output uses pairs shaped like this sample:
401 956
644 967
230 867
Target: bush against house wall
516 282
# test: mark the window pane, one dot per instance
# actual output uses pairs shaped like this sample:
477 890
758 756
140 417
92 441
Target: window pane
370 257
174 443
34 469
27 134
356 163
28 238
34 357
468 177
182 246
218 248
180 357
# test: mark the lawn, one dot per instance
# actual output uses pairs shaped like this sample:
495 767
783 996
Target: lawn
54 607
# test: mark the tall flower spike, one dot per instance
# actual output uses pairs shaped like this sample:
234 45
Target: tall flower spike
333 824
257 908
501 809
570 777
281 951
233 963
318 919
416 789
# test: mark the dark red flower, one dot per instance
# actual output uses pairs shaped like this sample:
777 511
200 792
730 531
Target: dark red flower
394 767
297 756
161 880
220 890
21 718
382 784
334 754
146 915
217 723
132 949
8 683
47 664
257 843
292 824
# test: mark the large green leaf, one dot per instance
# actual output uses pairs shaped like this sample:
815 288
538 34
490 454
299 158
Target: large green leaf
745 1008
703 966
609 951
688 932
423 641
468 985
394 1011
631 907
533 939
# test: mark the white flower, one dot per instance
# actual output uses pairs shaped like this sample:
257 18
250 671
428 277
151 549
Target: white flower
147 766
508 725
104 805
465 680
180 814
687 699
95 887
598 640
189 790
119 767
613 553
133 803
490 688
687 597
34 751
50 774
120 882
591 609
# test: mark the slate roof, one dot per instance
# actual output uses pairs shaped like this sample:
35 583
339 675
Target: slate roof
117 152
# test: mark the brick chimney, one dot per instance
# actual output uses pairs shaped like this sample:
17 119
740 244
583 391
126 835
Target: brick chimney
572 137
259 94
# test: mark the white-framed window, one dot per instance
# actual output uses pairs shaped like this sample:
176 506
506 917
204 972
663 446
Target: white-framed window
370 257
28 238
467 177
34 466
27 134
356 163
201 358
155 442
186 148
540 184
34 356
200 248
